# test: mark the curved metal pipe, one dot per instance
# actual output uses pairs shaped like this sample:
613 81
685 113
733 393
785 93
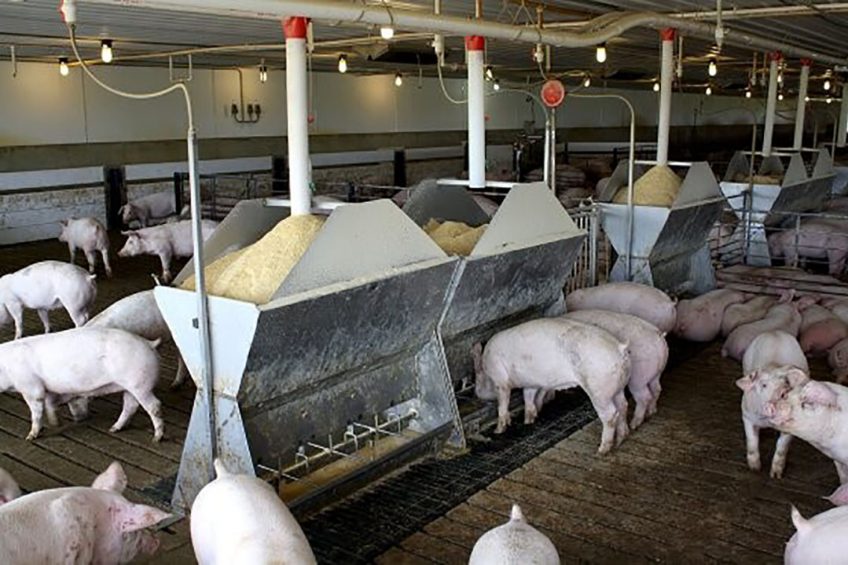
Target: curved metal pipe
336 10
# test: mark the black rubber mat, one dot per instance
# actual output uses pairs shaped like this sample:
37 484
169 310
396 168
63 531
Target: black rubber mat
367 524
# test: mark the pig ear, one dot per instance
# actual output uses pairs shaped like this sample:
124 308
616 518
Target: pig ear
801 523
747 382
64 223
796 377
839 496
132 517
113 478
815 392
220 469
517 515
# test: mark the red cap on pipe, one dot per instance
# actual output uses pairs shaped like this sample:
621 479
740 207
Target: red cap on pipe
295 28
475 43
806 62
667 34
775 56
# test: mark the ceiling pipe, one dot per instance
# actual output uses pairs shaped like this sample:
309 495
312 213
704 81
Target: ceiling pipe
801 107
767 12
335 10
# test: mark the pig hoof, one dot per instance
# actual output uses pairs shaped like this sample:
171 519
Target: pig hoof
31 436
776 474
604 449
115 429
754 466
157 437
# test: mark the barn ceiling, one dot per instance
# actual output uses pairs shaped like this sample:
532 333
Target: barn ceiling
145 37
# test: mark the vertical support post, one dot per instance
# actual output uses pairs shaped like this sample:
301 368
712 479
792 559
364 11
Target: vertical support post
553 150
115 194
298 126
771 102
666 76
801 107
546 162
279 175
178 192
474 46
400 167
842 127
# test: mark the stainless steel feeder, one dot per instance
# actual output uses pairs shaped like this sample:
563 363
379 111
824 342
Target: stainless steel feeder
349 336
668 248
516 271
758 206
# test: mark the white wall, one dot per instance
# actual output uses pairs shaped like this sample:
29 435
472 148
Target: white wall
40 107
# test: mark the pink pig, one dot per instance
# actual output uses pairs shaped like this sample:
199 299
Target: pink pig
699 319
651 304
166 241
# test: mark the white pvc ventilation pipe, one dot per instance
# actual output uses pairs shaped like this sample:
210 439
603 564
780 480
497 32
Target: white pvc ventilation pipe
771 102
666 75
297 109
474 47
842 127
801 107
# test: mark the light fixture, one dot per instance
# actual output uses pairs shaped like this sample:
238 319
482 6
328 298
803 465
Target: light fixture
587 82
780 96
263 74
709 90
656 86
106 50
398 79
496 85
387 32
747 93
342 64
490 74
829 100
780 76
806 99
601 53
63 66
827 84
712 70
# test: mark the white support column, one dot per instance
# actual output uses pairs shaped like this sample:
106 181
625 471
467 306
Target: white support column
771 102
842 127
666 77
297 109
474 46
800 109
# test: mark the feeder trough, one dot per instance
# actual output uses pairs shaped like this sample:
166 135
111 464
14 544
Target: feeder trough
669 249
516 271
760 206
344 358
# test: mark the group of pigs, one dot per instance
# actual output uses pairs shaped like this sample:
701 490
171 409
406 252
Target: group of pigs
821 238
773 336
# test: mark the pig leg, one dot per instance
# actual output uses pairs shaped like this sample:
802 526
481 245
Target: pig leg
621 429
530 411
16 310
105 254
91 257
836 261
543 396
181 371
50 408
656 389
778 462
73 251
643 397
79 317
36 410
752 444
503 410
79 408
165 259
842 471
153 407
44 315
608 414
129 409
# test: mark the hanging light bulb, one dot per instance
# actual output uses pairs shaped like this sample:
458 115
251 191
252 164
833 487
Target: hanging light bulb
656 86
63 66
490 74
712 70
829 100
342 64
398 79
780 96
387 32
806 99
747 93
827 84
601 53
587 82
263 74
106 50
496 85
709 90
780 76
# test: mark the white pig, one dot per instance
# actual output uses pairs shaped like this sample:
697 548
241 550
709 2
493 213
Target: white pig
837 359
648 352
51 369
814 240
167 241
761 382
9 489
821 540
556 354
46 286
753 310
146 208
241 519
77 525
816 412
700 319
514 543
783 317
650 304
89 235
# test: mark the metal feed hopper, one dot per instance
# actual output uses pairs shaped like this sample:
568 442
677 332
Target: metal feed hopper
516 271
759 206
668 248
346 354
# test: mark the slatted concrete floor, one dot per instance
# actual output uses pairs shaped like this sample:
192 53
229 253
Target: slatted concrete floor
73 454
677 491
